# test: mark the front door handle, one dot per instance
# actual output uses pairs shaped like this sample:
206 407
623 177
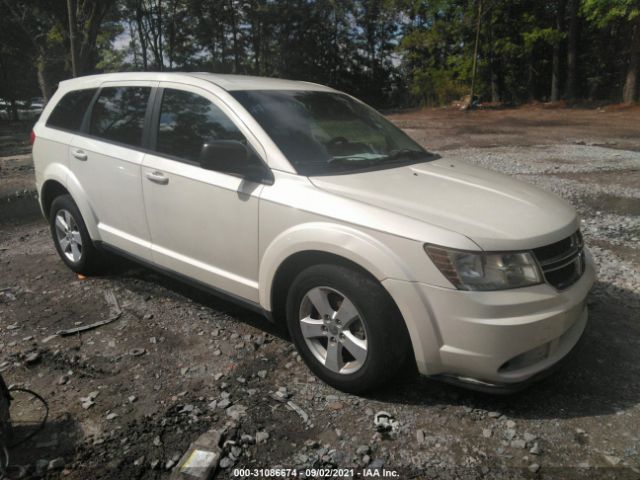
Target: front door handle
157 177
79 154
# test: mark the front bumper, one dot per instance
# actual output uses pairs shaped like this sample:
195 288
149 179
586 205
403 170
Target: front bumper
493 340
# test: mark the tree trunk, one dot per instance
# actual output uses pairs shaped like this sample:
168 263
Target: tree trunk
493 74
572 50
160 49
91 15
234 32
630 89
141 35
43 81
12 108
557 48
71 12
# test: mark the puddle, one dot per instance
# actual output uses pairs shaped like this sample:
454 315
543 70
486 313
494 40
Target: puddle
22 209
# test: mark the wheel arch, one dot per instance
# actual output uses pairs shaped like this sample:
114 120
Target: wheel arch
51 189
60 181
321 242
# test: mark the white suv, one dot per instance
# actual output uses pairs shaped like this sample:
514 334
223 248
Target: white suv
308 206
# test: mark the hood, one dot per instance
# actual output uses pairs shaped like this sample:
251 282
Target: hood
494 210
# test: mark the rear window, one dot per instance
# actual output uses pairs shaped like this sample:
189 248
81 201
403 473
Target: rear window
118 114
70 110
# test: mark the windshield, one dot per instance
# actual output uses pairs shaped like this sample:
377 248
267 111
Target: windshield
327 133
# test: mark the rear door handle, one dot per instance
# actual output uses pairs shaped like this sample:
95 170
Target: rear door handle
79 154
157 177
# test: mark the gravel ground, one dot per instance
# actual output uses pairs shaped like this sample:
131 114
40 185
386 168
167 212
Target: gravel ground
127 399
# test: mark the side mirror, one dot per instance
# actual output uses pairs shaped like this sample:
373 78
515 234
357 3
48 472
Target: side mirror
231 156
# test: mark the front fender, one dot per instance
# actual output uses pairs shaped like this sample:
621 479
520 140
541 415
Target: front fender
352 244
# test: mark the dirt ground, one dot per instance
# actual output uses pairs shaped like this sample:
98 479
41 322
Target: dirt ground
126 399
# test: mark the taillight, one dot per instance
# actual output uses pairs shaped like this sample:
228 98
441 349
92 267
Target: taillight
32 137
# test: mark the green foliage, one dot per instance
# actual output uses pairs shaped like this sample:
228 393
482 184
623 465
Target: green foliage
603 12
390 53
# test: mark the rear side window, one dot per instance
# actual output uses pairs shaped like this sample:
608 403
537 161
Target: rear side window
70 110
118 114
188 121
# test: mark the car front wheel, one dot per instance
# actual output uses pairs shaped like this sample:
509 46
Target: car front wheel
346 327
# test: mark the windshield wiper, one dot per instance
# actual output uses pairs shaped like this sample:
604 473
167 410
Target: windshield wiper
406 154
347 159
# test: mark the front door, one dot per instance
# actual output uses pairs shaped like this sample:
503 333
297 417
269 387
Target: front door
203 223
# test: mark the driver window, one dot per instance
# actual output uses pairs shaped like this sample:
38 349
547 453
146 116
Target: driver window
187 122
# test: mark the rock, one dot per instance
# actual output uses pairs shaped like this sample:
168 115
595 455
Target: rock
535 450
132 398
494 414
41 467
534 467
225 463
112 416
262 373
510 434
235 412
529 437
235 453
487 432
262 436
56 464
519 443
136 352
247 439
32 358
157 441
139 461
420 436
63 380
224 403
363 450
612 460
376 464
511 424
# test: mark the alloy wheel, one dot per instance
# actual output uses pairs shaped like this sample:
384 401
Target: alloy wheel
333 329
68 236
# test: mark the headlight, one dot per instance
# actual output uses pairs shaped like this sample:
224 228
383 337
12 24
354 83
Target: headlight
485 271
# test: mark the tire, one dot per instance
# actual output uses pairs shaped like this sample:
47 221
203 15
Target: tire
362 350
73 243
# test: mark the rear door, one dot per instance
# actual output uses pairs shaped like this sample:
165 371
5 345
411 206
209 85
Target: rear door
203 223
106 158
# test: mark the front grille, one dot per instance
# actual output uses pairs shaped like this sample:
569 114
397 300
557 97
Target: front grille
562 263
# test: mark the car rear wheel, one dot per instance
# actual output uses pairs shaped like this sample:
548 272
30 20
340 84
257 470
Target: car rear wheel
71 238
346 327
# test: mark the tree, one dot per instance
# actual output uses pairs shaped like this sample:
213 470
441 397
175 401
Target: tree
626 13
557 50
572 49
